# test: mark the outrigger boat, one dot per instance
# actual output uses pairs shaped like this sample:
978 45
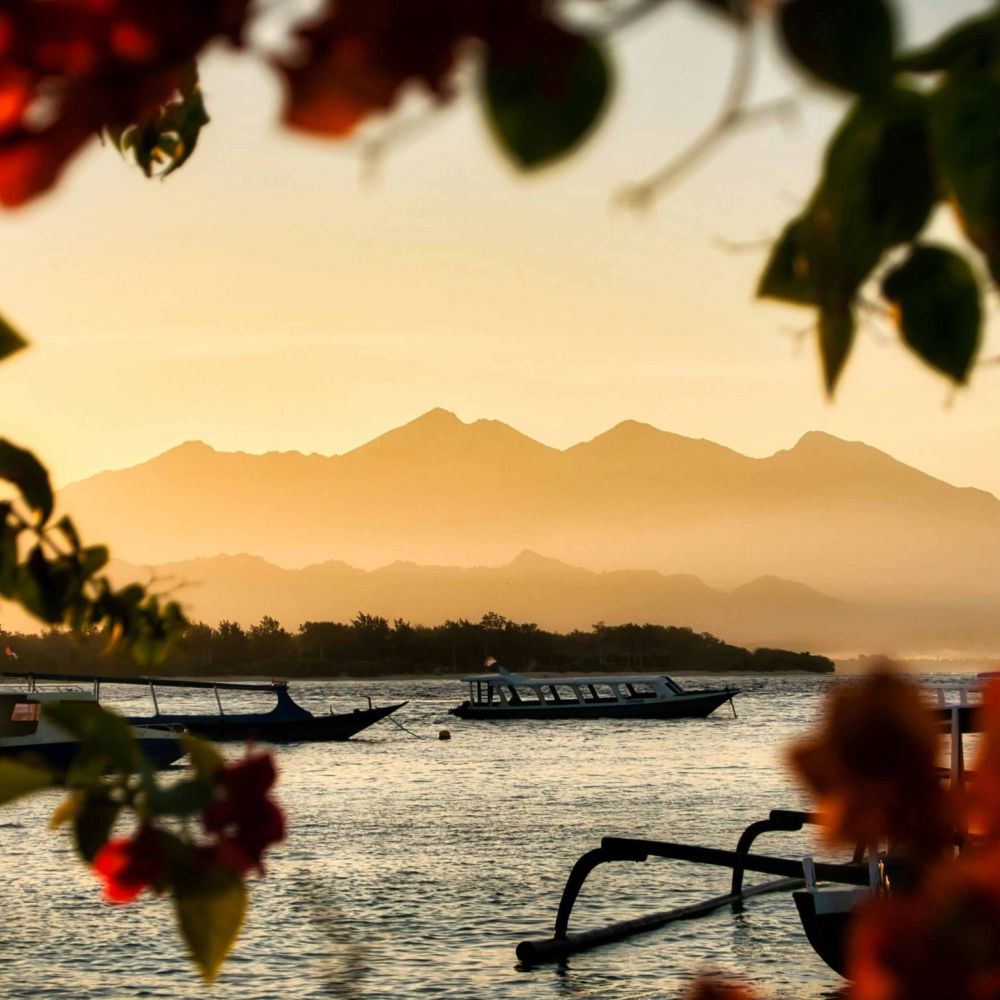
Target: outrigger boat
825 894
286 722
25 731
506 695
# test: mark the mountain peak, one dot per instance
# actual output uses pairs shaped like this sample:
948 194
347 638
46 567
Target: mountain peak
190 448
439 432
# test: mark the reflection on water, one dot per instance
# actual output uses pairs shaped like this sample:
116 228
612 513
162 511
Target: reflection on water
414 866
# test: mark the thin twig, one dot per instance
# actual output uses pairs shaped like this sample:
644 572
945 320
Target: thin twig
734 113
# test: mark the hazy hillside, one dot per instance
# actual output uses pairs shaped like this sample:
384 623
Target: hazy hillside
838 516
766 612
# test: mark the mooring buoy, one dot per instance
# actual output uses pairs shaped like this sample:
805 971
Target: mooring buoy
444 735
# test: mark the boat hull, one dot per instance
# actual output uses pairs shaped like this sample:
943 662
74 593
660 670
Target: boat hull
268 729
160 751
692 705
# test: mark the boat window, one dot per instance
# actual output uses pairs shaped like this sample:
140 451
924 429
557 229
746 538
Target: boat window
563 692
640 691
674 686
525 695
601 692
18 715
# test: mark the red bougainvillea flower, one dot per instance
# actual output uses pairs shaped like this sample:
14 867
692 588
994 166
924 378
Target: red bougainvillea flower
941 942
69 68
715 986
130 865
245 820
984 795
356 59
872 768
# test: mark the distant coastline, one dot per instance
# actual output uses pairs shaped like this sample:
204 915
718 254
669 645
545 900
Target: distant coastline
370 646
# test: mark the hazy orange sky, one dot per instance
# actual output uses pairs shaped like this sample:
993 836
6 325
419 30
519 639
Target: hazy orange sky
263 298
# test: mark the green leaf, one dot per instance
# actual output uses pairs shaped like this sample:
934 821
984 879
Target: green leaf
92 824
21 468
67 529
545 94
204 756
972 43
939 310
102 734
877 191
846 43
836 336
17 779
738 11
210 904
965 125
8 553
10 340
184 798
789 274
878 187
93 559
41 588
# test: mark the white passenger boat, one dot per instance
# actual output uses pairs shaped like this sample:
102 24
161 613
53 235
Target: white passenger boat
505 695
25 731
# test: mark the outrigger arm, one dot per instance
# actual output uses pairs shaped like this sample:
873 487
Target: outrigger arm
789 870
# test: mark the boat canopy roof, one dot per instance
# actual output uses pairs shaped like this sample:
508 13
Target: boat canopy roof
506 677
30 676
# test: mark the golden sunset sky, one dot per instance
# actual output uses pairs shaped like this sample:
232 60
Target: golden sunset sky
267 298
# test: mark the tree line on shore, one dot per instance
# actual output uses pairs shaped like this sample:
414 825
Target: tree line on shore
371 645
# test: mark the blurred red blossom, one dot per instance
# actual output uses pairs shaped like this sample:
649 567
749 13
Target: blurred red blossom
872 767
129 865
941 942
358 57
244 819
715 986
70 68
984 795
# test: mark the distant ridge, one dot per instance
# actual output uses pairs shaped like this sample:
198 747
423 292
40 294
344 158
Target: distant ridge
768 611
841 517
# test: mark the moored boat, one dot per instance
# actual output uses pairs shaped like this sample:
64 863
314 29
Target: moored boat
286 722
506 695
25 731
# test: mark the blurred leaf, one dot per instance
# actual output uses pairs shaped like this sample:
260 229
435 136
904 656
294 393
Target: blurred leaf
10 340
17 779
21 468
8 554
940 316
543 96
878 186
94 558
165 142
101 733
210 904
739 11
66 528
92 824
41 590
877 190
185 798
789 274
846 43
204 756
836 336
66 811
965 125
971 43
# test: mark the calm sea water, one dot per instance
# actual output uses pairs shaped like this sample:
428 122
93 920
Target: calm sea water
414 866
